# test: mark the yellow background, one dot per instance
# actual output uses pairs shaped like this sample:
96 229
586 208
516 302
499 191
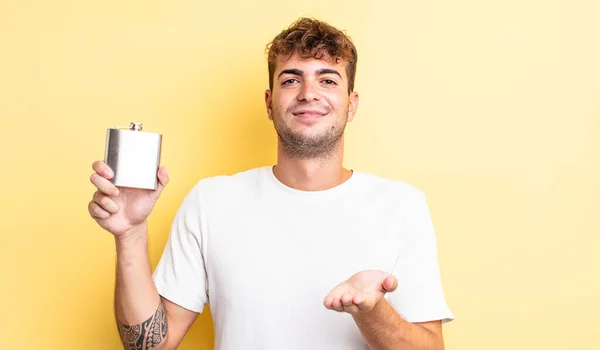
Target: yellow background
491 107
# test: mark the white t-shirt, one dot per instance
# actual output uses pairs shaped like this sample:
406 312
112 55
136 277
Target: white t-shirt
264 256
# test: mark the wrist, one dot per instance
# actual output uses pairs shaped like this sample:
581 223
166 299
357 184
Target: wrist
132 235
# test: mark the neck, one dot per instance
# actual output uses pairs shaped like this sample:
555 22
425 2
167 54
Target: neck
312 174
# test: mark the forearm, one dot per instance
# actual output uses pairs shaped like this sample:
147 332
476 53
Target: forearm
384 329
141 318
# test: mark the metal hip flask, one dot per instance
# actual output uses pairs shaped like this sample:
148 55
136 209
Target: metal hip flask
134 156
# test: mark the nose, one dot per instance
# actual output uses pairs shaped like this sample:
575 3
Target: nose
308 92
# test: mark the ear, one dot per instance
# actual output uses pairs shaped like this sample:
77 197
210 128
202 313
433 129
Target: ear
352 105
268 101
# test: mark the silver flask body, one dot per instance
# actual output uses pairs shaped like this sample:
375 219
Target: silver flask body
134 156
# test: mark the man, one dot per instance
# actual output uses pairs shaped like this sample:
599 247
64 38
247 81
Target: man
302 255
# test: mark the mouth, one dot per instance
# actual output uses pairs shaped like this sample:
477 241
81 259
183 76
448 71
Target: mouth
309 114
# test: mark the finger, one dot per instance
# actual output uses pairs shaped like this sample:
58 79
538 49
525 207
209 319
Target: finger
105 202
163 175
97 212
103 169
103 185
337 305
390 283
334 294
352 309
328 302
163 180
363 301
346 299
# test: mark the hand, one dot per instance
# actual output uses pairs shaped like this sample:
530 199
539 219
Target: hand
118 210
361 292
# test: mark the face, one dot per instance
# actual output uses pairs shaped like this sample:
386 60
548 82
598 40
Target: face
310 105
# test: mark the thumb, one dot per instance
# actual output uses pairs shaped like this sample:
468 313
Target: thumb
389 284
163 180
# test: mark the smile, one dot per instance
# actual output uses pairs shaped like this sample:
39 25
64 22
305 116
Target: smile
309 114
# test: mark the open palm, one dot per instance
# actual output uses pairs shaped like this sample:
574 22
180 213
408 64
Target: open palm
361 292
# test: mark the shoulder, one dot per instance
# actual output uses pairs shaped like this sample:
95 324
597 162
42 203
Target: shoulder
222 186
394 189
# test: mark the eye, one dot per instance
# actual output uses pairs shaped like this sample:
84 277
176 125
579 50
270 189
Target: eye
289 81
329 82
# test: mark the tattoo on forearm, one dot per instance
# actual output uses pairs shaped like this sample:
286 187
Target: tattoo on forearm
146 335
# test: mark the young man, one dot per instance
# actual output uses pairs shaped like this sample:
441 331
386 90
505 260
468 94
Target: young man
302 255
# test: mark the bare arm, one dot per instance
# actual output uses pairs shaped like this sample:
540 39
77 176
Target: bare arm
140 313
383 328
145 320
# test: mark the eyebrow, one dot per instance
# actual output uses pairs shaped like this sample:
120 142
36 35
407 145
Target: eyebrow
290 71
295 71
328 71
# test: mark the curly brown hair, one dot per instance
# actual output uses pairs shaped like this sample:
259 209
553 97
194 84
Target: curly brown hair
308 38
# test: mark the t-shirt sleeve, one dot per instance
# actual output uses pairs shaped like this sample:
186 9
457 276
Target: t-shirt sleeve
419 296
180 275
